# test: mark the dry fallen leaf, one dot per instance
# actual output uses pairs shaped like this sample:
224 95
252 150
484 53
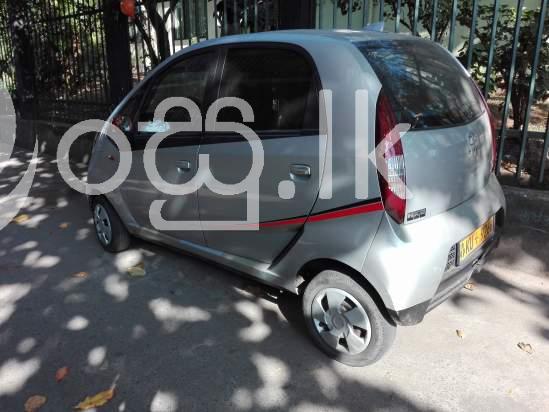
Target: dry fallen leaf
469 286
526 347
34 403
63 226
61 373
21 219
94 401
459 333
80 274
137 270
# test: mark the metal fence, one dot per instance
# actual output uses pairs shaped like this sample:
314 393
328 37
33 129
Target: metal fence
162 28
505 46
70 69
503 43
7 70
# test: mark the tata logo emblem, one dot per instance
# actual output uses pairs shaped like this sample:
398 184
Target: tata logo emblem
474 144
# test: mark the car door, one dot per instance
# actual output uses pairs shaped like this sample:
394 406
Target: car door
281 85
177 154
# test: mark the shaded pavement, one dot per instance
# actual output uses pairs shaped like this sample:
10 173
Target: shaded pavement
192 336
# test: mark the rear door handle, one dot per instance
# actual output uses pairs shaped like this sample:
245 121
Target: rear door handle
300 170
183 166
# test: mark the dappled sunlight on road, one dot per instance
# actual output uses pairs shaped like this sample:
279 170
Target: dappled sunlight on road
188 335
9 295
14 374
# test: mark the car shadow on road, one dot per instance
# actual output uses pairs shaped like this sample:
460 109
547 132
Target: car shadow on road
186 336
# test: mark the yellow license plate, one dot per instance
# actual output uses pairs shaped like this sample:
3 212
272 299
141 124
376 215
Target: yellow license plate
476 239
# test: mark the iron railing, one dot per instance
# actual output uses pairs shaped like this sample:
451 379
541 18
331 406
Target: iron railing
7 69
186 22
61 48
483 34
503 44
67 40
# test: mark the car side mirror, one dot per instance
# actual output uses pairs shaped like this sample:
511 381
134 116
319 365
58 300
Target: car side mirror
123 122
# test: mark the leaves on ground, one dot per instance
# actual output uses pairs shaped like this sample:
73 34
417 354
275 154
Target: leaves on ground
63 226
21 219
137 270
469 286
459 333
94 401
526 347
81 274
61 373
34 403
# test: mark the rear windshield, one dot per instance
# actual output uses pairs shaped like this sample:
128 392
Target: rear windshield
425 85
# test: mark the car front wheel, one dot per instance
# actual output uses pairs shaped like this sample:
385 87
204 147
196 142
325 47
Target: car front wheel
111 232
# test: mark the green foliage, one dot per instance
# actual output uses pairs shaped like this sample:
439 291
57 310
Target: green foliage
151 19
7 74
499 76
425 15
58 45
67 49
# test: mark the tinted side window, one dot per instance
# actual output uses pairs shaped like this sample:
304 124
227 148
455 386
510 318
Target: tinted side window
278 84
426 86
187 78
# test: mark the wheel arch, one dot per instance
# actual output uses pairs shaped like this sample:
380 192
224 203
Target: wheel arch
312 268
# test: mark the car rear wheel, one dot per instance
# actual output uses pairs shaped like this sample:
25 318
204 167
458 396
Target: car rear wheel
344 321
111 232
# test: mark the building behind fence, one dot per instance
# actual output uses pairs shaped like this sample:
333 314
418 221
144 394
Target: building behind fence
83 56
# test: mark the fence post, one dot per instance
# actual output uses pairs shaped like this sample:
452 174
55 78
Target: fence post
23 60
117 45
296 14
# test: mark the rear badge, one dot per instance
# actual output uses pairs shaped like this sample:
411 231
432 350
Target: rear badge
417 214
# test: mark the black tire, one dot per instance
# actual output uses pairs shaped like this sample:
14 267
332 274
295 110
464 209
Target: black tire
382 331
120 238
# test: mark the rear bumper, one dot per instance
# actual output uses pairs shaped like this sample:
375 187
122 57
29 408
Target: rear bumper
452 282
409 265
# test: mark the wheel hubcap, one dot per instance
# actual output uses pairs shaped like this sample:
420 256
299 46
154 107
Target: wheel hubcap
102 224
341 321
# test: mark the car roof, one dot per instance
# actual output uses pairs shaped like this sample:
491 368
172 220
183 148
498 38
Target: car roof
298 36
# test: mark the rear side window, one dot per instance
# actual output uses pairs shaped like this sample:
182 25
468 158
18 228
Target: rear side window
425 85
278 84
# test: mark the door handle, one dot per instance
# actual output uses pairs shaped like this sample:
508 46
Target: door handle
297 170
183 166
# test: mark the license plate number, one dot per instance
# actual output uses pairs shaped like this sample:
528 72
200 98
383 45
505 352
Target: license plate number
476 239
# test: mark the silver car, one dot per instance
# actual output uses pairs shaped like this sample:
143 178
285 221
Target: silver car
361 264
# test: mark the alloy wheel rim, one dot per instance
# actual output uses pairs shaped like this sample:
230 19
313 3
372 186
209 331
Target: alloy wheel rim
102 224
341 321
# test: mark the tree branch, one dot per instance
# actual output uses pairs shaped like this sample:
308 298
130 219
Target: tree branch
148 41
173 5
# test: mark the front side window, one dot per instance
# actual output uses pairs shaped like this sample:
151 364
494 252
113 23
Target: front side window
278 84
187 78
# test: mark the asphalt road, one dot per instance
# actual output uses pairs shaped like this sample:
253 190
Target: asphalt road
191 336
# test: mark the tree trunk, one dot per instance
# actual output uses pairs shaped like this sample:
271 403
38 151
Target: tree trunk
515 102
162 39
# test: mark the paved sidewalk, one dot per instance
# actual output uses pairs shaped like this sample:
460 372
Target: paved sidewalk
192 336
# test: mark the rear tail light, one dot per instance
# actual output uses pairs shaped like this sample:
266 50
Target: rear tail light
393 187
493 128
494 135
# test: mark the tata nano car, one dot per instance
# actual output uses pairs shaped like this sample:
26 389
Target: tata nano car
362 264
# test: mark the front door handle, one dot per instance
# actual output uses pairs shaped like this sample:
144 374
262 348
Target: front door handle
298 170
183 166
